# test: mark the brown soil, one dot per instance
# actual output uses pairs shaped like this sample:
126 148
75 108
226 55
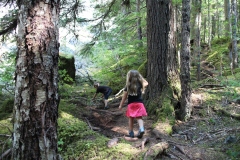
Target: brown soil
207 135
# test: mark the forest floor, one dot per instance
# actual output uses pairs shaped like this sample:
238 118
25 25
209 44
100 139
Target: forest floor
208 135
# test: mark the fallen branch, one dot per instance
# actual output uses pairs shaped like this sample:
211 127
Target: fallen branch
130 139
223 111
181 149
91 127
142 144
211 86
6 153
173 155
119 92
5 135
155 150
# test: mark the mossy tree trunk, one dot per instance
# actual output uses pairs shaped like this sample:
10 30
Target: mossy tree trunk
161 55
36 92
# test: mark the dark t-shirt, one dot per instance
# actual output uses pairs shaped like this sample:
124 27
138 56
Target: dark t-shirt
103 89
138 97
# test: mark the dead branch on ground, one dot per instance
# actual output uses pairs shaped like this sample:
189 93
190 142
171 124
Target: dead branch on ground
155 150
223 111
91 127
130 139
142 144
6 153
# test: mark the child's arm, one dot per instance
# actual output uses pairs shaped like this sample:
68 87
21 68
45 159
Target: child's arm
145 83
123 99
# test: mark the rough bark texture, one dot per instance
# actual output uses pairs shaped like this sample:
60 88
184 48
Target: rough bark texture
157 41
162 64
36 92
186 108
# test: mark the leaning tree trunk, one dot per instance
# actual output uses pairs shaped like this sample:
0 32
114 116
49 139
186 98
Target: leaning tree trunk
161 54
36 92
186 108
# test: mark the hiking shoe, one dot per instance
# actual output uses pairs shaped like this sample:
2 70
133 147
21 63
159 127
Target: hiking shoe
131 134
106 107
140 134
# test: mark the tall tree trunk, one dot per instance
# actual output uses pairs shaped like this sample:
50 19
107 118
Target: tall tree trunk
227 14
193 18
213 26
218 20
139 28
209 30
36 92
205 29
160 33
234 35
186 108
197 39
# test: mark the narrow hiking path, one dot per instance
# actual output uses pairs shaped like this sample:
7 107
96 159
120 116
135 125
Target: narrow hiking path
207 135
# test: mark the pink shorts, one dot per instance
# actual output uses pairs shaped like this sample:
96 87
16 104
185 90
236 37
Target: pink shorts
136 110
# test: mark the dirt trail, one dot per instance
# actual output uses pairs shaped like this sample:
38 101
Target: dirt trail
203 137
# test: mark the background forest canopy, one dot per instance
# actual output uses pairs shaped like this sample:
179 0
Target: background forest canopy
107 38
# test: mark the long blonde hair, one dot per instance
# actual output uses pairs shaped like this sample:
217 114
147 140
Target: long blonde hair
134 79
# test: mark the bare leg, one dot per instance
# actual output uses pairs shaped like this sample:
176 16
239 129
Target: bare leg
141 127
140 123
105 102
130 123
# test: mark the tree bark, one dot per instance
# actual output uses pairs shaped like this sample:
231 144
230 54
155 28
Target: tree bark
139 28
157 40
36 92
227 13
197 39
161 55
185 108
234 35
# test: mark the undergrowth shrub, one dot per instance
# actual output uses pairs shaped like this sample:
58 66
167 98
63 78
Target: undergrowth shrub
6 108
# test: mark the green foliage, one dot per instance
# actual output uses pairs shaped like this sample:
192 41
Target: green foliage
7 69
70 130
218 56
64 77
66 68
221 41
5 129
6 108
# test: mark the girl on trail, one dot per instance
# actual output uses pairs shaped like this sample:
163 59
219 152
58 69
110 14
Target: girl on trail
135 85
105 90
